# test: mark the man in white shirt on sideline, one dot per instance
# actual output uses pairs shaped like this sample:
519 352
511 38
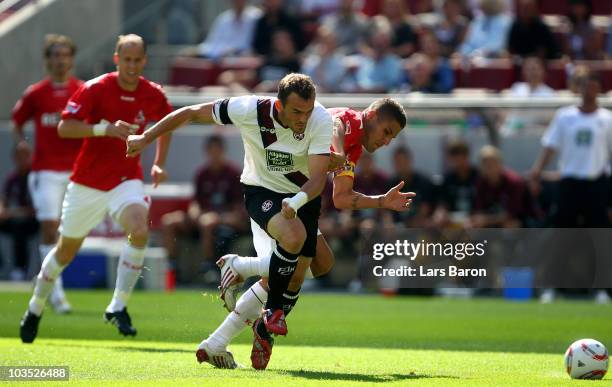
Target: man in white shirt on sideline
582 137
231 34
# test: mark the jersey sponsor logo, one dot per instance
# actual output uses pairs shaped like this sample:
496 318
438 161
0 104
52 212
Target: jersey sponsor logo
584 137
265 207
127 98
298 136
73 107
50 119
279 161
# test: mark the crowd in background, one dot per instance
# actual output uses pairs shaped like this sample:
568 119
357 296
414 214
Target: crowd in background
376 46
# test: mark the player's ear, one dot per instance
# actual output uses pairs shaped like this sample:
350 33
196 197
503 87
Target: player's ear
116 58
278 105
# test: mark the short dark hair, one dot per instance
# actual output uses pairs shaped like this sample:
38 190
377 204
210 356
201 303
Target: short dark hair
52 40
457 147
300 84
215 139
389 108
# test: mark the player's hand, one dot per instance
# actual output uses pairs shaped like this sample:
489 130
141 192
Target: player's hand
120 129
396 200
158 174
135 145
336 161
287 211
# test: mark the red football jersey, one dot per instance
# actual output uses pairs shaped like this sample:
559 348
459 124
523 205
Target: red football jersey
44 102
101 163
352 122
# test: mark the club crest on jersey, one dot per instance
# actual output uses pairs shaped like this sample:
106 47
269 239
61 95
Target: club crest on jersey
73 107
265 207
140 118
298 136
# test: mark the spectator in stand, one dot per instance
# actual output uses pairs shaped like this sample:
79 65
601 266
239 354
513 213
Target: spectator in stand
216 213
457 195
488 33
431 74
500 193
282 60
424 201
350 26
583 40
533 85
275 17
529 35
380 70
323 63
451 28
231 34
17 218
369 181
404 39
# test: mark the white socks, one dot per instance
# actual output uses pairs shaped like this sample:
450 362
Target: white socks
58 287
128 271
49 272
248 309
252 266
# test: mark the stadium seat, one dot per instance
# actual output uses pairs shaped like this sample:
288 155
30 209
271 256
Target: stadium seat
495 75
198 72
556 75
162 206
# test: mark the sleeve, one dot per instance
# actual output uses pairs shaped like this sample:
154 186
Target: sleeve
164 107
321 139
24 108
80 104
232 111
552 136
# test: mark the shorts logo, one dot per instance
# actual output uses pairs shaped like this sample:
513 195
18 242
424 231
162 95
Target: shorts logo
299 136
265 207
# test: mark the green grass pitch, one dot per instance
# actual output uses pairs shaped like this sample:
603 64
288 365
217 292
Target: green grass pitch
333 340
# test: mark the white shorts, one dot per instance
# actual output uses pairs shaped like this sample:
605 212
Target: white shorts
47 189
85 207
264 243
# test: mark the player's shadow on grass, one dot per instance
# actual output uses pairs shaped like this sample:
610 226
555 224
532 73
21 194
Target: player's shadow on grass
339 376
127 349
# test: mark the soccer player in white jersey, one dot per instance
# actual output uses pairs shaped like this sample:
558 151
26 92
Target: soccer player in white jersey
54 156
582 137
104 111
287 146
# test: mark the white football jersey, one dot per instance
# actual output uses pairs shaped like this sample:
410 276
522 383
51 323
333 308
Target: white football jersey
583 140
274 157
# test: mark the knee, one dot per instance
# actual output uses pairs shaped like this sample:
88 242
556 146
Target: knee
139 235
293 239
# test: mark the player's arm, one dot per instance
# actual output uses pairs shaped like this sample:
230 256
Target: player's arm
345 198
73 128
546 155
317 168
18 132
202 113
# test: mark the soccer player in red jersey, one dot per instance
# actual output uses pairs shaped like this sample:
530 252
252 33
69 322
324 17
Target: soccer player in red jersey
53 158
371 129
104 111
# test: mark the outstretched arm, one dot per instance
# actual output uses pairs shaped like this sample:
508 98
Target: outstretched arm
346 198
195 113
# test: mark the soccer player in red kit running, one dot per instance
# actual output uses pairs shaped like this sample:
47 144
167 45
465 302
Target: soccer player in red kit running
104 111
53 158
